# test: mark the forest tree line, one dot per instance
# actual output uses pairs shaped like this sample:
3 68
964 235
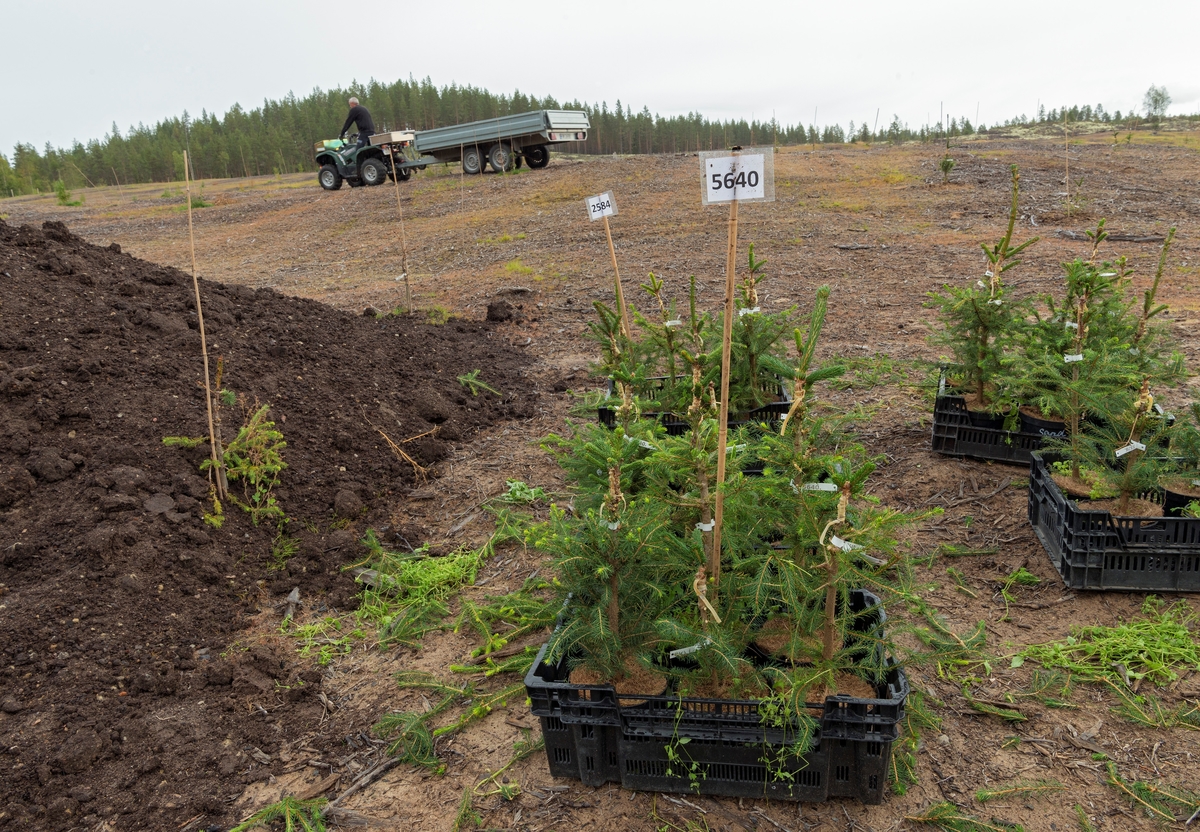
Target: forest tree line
278 137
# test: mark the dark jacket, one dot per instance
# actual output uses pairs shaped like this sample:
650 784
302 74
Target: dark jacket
360 116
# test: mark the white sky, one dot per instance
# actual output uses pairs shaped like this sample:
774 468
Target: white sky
74 68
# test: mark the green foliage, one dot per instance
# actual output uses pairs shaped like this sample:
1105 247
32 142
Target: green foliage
406 593
1160 801
520 493
1085 824
255 458
1083 356
1155 102
1021 790
283 549
981 321
1158 648
297 816
1148 710
945 166
63 195
467 817
185 442
471 382
199 201
437 315
949 818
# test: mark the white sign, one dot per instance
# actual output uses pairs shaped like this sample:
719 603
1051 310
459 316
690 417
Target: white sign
602 205
746 177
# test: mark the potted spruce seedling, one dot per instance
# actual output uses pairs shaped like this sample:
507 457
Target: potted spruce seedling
981 320
1181 483
1084 354
1126 447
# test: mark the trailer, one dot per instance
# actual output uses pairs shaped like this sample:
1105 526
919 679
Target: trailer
504 143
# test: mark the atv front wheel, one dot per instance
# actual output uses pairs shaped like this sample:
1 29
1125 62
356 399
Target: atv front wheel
329 178
373 172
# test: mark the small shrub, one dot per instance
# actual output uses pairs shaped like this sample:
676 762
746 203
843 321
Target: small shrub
64 196
945 166
437 315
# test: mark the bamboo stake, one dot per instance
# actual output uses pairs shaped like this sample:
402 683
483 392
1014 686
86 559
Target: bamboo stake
403 240
222 484
616 272
1067 157
714 563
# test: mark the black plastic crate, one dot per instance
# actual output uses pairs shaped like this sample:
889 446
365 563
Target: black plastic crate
954 434
677 425
1099 550
595 736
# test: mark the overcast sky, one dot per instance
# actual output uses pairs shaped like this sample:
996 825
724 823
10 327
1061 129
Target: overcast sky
74 68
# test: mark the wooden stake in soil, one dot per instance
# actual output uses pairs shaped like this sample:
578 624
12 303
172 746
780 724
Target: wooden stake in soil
714 557
617 274
218 455
403 240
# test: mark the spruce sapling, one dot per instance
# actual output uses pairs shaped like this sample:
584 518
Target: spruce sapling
979 321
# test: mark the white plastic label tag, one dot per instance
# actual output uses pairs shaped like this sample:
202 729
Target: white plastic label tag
987 273
707 527
674 322
1070 359
1070 325
612 527
747 177
1130 448
687 651
844 545
601 205
996 301
820 486
980 284
753 311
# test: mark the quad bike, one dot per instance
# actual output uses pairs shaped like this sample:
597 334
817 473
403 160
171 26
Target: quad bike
370 164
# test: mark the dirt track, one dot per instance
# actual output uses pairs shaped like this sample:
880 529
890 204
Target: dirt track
90 334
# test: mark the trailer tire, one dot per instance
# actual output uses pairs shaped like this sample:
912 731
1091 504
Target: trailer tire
329 178
472 160
500 157
537 156
403 173
518 160
373 172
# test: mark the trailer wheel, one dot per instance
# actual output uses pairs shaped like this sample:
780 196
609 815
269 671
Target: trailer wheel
404 173
518 160
500 157
537 156
329 178
472 160
373 172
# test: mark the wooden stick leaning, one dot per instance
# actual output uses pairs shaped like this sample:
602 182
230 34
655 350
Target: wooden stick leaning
403 240
617 274
218 455
714 556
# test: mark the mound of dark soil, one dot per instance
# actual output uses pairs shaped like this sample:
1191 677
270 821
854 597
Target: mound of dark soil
116 597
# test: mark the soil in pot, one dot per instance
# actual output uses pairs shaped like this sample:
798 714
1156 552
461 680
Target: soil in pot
775 636
1079 489
979 417
637 681
1177 493
1134 508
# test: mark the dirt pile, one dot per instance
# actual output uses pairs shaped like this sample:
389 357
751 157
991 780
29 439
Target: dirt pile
119 700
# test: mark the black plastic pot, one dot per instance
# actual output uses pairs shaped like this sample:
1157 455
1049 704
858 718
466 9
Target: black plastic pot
1174 502
1047 428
